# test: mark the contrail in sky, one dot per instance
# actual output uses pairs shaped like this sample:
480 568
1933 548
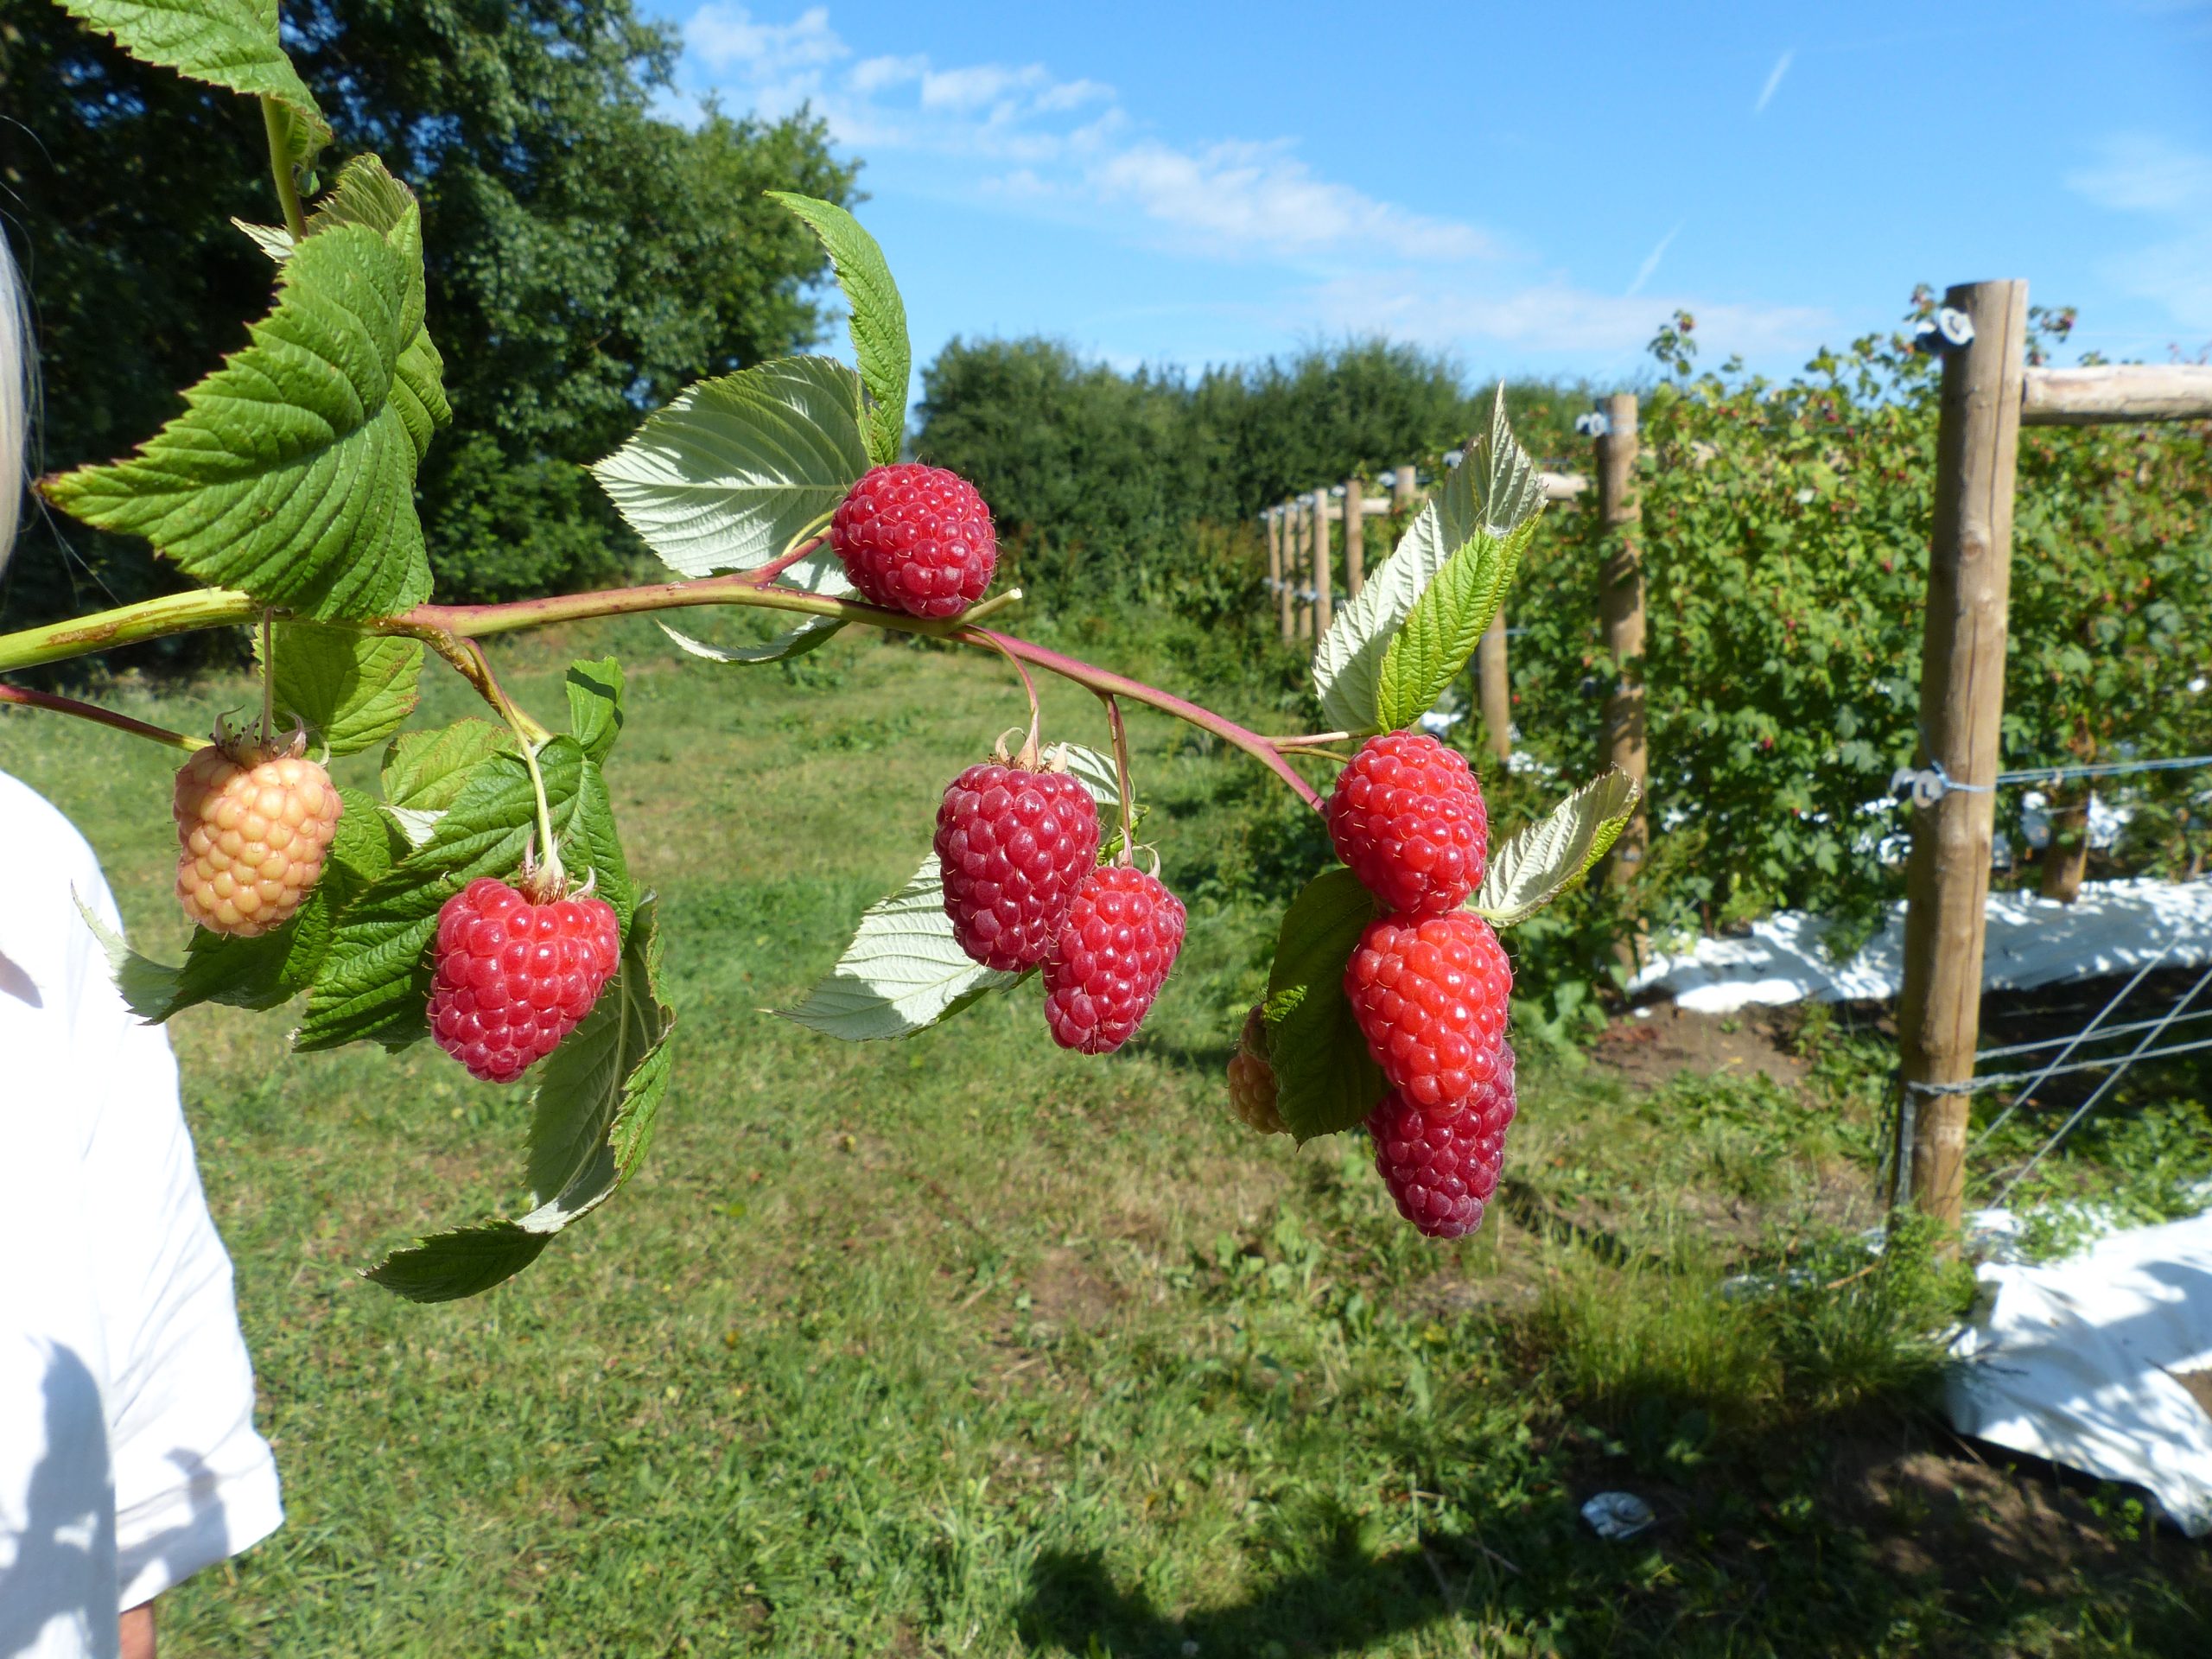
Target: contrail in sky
1651 260
1773 80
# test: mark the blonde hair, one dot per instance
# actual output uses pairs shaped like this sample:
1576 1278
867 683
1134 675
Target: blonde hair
16 370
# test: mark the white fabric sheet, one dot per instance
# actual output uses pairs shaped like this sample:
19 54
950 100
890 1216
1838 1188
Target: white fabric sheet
2114 927
2077 1361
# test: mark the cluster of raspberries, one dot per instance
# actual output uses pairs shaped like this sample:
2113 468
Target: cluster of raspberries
514 968
1017 848
1428 984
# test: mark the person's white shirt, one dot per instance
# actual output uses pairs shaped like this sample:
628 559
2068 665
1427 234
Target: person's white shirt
129 1457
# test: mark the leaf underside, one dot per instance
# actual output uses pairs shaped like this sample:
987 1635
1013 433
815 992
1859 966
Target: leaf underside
735 469
1543 859
903 972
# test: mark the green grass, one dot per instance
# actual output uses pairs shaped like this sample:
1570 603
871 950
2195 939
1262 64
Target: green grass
966 1346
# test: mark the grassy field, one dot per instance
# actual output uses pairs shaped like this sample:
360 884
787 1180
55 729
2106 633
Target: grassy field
967 1346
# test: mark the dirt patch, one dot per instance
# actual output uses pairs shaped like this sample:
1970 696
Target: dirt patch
2199 1384
1649 1047
1066 1292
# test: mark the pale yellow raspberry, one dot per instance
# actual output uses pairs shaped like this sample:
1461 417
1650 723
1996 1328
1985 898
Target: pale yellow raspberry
253 825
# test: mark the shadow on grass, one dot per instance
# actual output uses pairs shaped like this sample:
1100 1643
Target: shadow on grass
1342 1606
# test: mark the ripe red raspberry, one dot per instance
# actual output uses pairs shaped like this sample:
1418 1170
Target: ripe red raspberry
1252 1079
1442 1166
1013 844
1430 994
917 539
1114 950
515 977
1407 816
253 825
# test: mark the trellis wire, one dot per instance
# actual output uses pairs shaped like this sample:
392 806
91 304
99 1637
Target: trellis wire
1930 784
2080 1037
2128 1030
2097 1094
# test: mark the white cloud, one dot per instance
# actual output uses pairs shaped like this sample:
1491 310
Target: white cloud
1774 80
1643 272
726 37
1066 143
1248 198
2148 176
1554 316
1066 150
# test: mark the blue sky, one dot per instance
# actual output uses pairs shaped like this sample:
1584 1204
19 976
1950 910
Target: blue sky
1531 188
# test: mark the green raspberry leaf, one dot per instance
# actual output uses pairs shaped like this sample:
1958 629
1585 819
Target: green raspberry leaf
1544 859
426 772
737 469
877 319
375 982
595 705
352 690
268 972
1325 1080
1431 648
291 472
903 972
228 43
591 1123
365 194
1495 489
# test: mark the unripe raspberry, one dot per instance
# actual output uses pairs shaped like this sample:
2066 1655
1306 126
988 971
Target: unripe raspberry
253 826
917 539
1252 1079
1013 844
1430 994
1441 1164
514 977
1407 816
1121 938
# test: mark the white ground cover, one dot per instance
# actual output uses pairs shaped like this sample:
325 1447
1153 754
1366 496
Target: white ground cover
2113 927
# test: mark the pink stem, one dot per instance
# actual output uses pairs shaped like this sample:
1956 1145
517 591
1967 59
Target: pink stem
24 697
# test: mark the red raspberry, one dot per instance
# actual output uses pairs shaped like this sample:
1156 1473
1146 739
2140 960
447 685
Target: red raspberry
1430 994
515 977
1113 952
917 539
1441 1166
253 827
1252 1079
1013 845
1407 816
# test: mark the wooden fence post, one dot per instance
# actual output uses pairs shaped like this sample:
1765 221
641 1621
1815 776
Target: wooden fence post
1301 533
1621 601
1355 536
1274 565
1324 602
1961 712
1495 689
1403 483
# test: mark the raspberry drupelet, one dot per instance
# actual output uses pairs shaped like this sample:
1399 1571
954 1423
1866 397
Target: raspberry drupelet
253 825
1407 816
917 539
1431 994
1112 956
1441 1165
1012 844
514 977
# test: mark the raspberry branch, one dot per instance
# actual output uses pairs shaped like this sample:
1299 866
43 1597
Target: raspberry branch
1121 778
24 697
445 627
